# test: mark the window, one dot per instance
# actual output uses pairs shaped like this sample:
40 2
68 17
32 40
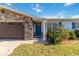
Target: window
55 24
76 25
52 25
60 24
73 25
48 24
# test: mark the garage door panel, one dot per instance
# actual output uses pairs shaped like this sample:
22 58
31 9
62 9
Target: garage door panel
11 31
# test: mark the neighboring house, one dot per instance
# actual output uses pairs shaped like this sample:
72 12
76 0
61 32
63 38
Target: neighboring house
15 25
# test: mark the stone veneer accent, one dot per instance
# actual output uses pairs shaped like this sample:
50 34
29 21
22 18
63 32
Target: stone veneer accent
7 15
28 29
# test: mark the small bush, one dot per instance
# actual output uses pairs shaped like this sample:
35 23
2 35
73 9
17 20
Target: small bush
77 33
64 33
72 35
59 34
54 37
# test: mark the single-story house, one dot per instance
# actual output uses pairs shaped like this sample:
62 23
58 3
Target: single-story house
16 25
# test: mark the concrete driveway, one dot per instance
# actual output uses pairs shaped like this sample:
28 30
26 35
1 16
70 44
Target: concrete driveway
6 46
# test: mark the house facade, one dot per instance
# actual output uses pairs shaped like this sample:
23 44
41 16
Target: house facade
70 24
15 25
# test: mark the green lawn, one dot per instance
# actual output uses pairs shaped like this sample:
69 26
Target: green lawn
46 50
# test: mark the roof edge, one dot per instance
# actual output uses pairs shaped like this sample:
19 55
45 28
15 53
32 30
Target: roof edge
1 7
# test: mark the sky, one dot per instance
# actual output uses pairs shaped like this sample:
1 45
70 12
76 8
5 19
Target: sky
46 10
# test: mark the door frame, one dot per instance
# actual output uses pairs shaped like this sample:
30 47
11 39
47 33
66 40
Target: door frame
34 30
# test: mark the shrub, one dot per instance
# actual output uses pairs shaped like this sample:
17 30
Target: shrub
72 35
77 33
64 33
54 37
59 34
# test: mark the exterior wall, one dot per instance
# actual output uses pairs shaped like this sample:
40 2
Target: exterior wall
28 34
11 16
67 25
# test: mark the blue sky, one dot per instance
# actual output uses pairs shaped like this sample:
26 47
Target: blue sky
46 10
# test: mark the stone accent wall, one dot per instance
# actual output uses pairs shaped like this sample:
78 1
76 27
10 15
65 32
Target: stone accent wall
28 30
12 16
9 16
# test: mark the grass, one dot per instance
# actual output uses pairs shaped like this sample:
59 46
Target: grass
46 50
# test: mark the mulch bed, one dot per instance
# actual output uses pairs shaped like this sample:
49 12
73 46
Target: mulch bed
70 42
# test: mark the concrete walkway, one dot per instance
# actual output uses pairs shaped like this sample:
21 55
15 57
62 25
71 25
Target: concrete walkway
6 46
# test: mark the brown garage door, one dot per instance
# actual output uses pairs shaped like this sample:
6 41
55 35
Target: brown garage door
11 31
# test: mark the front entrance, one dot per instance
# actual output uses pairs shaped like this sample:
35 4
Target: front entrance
37 30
